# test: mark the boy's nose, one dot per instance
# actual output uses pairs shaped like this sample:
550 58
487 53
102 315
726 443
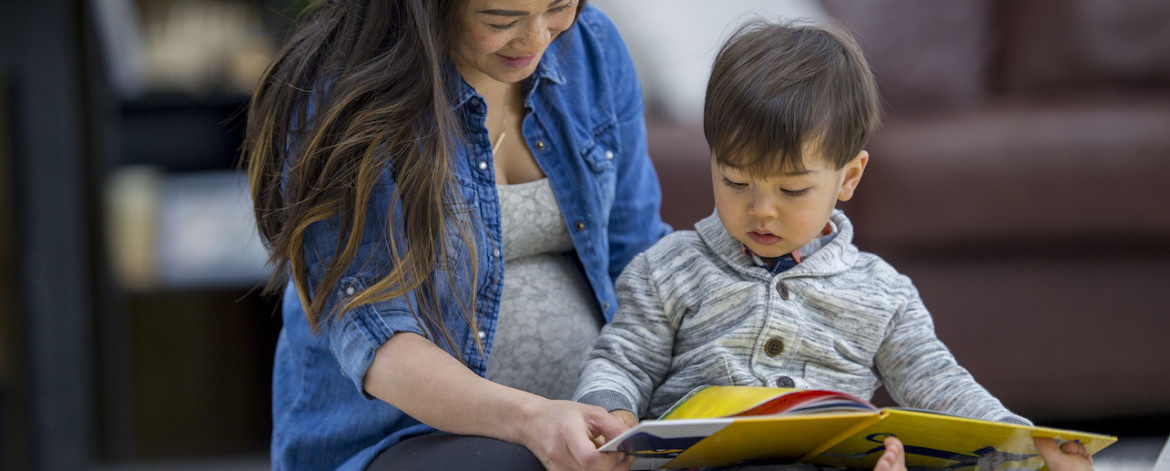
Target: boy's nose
762 207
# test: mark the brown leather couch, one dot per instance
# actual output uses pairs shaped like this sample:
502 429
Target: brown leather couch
1020 178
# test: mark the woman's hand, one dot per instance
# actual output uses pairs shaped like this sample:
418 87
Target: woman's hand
625 416
564 436
424 381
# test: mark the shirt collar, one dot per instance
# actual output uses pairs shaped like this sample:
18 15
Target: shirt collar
549 68
459 92
790 260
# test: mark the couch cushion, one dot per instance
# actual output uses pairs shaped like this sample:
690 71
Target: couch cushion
683 162
924 53
1019 172
1083 45
1075 337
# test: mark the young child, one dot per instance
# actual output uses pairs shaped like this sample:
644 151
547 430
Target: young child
770 290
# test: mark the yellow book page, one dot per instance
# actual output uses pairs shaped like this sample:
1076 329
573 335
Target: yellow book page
944 441
780 439
721 401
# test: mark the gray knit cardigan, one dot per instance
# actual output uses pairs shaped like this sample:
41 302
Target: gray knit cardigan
695 311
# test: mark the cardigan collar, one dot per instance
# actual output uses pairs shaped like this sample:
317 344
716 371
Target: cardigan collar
838 255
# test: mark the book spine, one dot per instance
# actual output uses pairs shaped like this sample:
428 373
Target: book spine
849 432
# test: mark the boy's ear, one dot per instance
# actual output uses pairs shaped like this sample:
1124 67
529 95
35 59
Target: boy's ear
852 175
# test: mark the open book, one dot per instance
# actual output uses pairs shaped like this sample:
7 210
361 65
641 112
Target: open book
725 425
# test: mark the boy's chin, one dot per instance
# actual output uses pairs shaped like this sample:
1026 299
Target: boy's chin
772 255
768 251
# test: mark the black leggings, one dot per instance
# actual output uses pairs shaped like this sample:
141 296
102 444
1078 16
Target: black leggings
443 451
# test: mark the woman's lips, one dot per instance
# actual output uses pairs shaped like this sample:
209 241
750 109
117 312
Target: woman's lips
763 239
515 62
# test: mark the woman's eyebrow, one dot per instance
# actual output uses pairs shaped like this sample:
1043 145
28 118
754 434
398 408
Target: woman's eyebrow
515 12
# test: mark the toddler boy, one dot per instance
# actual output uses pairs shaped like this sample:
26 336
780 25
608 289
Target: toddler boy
770 290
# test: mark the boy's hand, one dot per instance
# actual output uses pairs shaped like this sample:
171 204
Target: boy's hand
1071 456
894 458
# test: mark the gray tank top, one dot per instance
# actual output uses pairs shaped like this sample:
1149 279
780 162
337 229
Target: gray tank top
548 316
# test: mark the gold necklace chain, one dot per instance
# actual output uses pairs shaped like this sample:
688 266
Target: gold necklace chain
507 99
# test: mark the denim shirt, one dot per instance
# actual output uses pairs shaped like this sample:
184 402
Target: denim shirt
584 124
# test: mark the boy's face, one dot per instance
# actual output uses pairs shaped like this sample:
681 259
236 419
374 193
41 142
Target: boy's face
778 214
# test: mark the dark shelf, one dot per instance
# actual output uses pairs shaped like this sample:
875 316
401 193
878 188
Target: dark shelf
179 132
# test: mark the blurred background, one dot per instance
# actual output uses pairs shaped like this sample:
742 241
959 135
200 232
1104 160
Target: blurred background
1018 178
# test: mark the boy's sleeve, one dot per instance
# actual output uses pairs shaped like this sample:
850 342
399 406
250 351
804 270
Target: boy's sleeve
633 352
920 372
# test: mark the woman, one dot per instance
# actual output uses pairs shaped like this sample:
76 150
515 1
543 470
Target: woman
449 188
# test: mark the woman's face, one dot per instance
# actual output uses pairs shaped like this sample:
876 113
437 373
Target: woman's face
503 40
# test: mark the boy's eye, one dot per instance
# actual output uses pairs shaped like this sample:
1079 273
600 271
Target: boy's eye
795 193
504 27
732 184
561 8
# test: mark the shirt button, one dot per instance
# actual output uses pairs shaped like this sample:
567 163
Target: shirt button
483 165
539 145
496 253
609 154
349 290
482 335
774 347
783 290
475 100
785 382
605 306
580 226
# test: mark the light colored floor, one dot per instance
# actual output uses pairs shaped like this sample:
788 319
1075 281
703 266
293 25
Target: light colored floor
1128 454
1131 454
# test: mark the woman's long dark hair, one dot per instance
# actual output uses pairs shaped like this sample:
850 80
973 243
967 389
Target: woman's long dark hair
360 88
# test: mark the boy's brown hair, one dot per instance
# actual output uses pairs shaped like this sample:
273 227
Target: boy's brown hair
779 90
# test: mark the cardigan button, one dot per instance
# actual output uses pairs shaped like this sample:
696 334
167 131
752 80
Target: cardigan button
774 347
785 382
783 290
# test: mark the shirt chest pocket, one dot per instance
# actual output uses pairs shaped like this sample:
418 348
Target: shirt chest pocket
600 150
461 204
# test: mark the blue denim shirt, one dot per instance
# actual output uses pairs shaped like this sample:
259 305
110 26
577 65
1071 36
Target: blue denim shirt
585 127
